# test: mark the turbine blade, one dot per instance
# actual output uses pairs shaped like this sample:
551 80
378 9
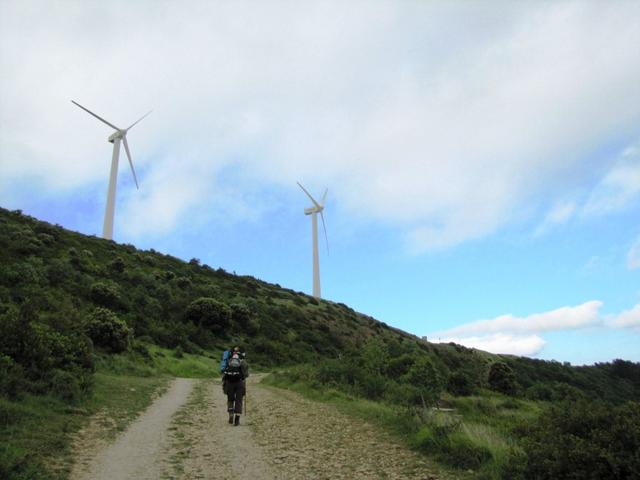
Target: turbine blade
91 113
324 197
126 149
309 195
138 121
325 231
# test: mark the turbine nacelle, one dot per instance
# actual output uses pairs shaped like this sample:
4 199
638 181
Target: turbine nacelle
311 210
116 135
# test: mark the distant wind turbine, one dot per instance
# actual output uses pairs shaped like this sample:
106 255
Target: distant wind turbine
115 138
313 211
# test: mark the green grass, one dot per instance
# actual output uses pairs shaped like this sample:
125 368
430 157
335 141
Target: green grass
189 366
146 360
475 439
35 431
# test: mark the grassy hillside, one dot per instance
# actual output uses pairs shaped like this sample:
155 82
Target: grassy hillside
73 305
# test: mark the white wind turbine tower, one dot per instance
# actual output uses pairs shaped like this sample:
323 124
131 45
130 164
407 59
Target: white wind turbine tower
313 211
120 134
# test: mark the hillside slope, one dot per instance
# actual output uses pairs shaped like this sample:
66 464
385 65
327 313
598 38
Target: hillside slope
81 287
71 304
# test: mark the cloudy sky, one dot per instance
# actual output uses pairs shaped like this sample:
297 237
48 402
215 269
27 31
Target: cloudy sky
482 158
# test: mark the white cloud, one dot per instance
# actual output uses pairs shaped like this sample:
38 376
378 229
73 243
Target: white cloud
558 215
627 319
633 257
440 119
501 343
564 318
619 188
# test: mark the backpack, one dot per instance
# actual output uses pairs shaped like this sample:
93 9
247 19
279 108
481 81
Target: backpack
233 372
225 360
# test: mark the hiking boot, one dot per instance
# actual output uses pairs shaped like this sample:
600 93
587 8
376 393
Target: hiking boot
230 418
237 420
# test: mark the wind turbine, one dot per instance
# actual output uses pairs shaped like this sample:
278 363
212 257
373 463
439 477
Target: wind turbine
120 134
313 211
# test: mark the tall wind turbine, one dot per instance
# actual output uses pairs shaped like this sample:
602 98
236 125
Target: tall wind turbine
313 211
120 134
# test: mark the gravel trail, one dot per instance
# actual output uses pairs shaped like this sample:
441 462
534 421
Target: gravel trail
185 435
138 452
284 436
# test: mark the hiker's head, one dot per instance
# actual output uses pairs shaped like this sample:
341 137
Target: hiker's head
236 349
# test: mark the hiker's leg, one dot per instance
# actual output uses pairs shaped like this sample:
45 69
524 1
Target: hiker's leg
238 406
231 397
240 393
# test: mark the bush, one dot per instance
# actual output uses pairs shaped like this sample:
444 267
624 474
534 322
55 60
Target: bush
373 386
399 366
11 377
108 331
65 385
502 378
425 376
241 315
585 440
117 265
209 313
461 384
106 295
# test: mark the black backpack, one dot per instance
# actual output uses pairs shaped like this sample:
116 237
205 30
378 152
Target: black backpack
233 372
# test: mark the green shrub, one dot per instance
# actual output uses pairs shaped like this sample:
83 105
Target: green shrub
502 378
108 331
375 356
585 439
11 377
373 386
117 265
460 383
427 378
399 366
106 294
209 313
241 315
65 385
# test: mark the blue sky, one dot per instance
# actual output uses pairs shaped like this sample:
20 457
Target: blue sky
482 158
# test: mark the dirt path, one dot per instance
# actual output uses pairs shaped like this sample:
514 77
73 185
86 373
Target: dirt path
283 436
136 454
185 435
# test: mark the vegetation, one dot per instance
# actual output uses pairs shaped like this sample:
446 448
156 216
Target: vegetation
78 313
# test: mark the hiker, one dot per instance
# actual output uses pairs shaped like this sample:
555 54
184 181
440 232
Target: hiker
233 383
